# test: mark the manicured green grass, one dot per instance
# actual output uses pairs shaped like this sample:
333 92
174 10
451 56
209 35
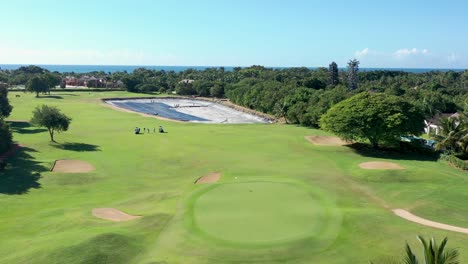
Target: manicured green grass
257 212
46 217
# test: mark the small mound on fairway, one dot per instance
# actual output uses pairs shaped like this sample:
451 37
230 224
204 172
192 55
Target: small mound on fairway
326 141
261 213
210 178
113 214
72 166
380 165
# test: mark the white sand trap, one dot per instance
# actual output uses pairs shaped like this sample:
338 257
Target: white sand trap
326 141
416 219
72 166
210 178
113 214
380 165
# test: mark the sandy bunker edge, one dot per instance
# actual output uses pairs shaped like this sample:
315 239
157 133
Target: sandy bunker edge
326 141
380 165
71 166
113 214
209 178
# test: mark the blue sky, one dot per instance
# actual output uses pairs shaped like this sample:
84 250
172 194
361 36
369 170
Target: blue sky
398 34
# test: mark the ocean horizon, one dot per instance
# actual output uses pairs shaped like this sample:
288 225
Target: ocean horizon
130 68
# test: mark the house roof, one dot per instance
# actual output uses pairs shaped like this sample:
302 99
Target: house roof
186 81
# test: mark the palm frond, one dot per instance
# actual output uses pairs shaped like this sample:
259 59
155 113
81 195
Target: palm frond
410 258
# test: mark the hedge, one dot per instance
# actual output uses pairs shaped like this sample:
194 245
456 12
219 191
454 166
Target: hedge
455 161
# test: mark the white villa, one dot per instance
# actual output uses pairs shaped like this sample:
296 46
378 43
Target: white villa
431 124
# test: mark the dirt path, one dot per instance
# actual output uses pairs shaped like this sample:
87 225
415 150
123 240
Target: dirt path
400 212
416 219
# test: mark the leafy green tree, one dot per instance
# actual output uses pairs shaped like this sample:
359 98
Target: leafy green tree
5 107
5 136
131 81
433 253
202 87
146 88
51 80
377 117
217 90
321 101
51 118
37 85
185 88
333 71
352 74
314 83
31 69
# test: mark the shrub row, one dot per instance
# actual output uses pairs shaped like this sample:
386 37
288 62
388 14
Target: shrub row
455 161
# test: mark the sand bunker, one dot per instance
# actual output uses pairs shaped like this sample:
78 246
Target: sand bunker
72 166
380 165
210 178
326 141
113 214
414 218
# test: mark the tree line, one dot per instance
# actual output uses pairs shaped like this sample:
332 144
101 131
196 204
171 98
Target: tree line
296 95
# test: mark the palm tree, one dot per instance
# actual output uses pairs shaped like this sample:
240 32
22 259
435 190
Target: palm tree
453 136
432 253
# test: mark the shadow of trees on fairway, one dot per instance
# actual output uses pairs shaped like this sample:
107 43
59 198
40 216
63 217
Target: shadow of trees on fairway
21 174
24 127
75 146
51 96
392 153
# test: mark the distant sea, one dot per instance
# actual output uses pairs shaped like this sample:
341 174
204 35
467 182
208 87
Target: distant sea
131 68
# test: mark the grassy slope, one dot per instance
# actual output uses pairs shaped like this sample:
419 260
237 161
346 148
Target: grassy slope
152 175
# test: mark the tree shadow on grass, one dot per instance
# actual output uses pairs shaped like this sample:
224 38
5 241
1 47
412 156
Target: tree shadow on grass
51 96
23 127
392 153
75 146
22 173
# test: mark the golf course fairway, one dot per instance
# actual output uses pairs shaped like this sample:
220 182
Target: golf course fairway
277 197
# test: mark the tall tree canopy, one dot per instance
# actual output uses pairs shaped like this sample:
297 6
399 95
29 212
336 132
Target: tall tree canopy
352 74
5 107
377 117
333 70
51 118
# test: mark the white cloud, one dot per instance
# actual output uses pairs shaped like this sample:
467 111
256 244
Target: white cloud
410 58
361 53
401 53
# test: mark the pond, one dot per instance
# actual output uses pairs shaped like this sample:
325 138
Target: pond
188 110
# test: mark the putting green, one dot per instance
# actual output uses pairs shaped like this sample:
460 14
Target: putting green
259 212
